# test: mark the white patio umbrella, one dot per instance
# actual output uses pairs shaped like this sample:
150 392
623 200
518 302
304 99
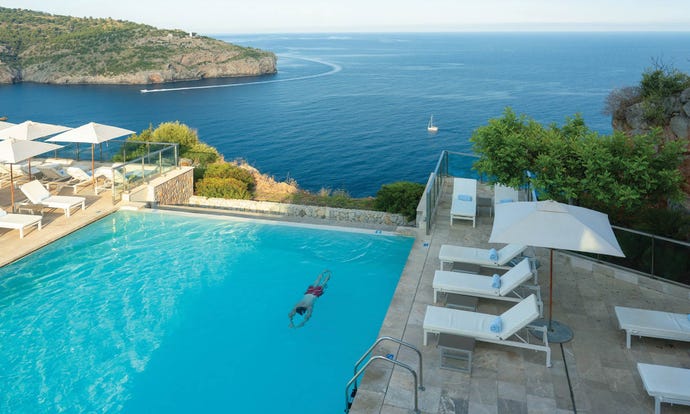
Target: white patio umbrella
93 134
4 125
13 151
30 130
554 225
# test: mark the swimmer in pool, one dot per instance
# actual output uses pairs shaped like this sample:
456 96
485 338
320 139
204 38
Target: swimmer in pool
306 305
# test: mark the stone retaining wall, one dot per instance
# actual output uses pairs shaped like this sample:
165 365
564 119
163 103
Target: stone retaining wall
173 188
628 276
294 210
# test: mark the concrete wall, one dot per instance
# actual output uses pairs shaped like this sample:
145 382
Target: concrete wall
294 210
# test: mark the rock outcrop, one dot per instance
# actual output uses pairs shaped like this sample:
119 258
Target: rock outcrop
43 48
676 109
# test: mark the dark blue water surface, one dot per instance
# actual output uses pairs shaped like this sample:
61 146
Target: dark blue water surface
350 111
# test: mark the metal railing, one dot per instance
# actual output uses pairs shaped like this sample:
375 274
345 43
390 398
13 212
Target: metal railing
390 359
645 253
649 254
152 164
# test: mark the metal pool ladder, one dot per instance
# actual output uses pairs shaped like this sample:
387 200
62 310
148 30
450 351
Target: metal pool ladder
390 358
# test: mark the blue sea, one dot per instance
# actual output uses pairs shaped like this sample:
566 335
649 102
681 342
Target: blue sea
349 111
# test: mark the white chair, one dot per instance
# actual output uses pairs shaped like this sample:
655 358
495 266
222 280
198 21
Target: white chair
19 221
460 254
665 384
481 286
53 175
464 203
477 325
80 178
38 195
653 324
503 194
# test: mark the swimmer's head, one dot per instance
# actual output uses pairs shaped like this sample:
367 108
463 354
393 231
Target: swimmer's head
301 310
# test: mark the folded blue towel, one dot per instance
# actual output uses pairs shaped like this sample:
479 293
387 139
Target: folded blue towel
493 255
496 281
497 325
464 197
689 316
505 200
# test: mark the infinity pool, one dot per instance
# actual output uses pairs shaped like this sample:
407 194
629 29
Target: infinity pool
159 312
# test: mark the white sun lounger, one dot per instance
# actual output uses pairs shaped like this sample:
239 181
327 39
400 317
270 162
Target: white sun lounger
19 221
38 195
653 324
665 384
464 204
477 325
480 286
503 194
461 254
80 178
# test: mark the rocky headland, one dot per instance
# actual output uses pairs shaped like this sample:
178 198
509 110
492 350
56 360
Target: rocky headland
44 48
674 113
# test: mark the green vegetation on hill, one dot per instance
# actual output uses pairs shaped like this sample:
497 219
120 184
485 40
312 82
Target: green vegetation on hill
216 178
42 47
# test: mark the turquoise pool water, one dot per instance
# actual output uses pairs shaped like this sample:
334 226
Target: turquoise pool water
159 312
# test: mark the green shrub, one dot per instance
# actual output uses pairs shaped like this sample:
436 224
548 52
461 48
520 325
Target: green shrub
216 187
228 170
662 81
336 199
401 197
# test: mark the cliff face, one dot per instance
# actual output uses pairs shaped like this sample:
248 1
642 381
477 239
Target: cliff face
676 109
38 47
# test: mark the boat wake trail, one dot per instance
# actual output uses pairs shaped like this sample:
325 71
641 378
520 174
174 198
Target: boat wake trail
334 69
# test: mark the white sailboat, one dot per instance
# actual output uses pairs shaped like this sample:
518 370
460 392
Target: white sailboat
431 127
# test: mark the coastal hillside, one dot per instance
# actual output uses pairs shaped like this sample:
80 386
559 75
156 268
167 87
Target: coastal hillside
662 102
46 48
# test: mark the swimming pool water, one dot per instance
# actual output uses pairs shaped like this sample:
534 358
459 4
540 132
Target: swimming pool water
159 312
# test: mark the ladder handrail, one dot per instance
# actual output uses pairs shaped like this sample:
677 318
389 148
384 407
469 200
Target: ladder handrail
398 341
393 361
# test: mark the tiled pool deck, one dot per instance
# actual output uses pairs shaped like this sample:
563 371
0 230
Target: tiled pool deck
595 370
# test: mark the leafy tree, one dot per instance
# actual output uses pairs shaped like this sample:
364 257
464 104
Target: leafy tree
617 174
176 133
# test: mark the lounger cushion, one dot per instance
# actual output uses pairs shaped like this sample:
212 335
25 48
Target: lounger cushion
478 325
464 204
464 283
653 323
462 254
516 276
480 285
459 322
519 316
665 382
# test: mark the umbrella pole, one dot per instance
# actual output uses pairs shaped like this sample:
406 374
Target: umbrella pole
550 287
12 185
93 168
